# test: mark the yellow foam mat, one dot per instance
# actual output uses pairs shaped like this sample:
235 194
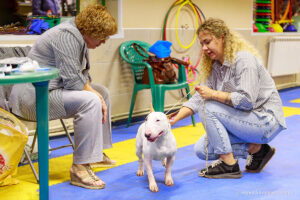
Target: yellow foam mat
290 111
295 101
59 167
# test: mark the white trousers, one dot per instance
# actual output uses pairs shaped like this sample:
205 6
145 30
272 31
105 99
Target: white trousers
90 134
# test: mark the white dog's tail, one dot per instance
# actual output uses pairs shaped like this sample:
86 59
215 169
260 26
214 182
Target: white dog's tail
151 108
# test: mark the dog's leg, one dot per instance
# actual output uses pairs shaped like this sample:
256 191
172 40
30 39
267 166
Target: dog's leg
164 162
152 183
140 171
168 176
139 153
139 150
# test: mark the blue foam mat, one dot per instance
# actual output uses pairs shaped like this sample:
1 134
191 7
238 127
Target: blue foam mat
288 95
279 180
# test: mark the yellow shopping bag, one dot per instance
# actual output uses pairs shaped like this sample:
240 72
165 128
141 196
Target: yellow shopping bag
13 137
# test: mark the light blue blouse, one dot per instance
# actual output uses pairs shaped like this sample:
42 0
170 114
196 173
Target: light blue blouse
250 85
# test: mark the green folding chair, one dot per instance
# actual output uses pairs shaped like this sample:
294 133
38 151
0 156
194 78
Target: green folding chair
138 65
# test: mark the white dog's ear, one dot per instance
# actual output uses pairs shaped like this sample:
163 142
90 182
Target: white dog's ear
151 108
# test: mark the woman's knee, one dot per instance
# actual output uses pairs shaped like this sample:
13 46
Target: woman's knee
105 94
81 101
211 106
94 100
207 113
103 91
199 149
91 101
272 133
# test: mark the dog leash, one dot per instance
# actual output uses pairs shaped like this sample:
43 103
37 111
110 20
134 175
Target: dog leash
206 137
204 124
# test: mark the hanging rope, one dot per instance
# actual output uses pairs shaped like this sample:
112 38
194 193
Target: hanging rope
204 122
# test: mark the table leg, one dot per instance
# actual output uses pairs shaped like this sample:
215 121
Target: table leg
41 89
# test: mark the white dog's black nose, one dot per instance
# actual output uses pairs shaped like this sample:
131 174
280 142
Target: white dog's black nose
147 135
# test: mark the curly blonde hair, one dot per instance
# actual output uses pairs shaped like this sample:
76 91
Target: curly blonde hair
95 21
233 43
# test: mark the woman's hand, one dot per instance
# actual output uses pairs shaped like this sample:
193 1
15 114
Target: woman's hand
179 115
88 87
220 96
171 117
205 92
104 108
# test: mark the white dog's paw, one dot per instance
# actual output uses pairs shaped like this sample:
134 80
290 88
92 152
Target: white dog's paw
140 173
153 187
169 181
164 162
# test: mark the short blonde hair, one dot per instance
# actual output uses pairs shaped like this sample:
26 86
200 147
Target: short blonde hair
233 43
96 22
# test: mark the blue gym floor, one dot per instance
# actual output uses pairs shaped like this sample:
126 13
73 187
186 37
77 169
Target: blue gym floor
280 179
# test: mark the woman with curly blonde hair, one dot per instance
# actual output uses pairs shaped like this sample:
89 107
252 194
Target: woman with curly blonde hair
72 95
238 105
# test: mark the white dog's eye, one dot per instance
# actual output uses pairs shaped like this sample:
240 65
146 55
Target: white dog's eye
157 120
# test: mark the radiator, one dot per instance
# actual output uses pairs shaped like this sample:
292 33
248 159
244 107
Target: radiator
284 56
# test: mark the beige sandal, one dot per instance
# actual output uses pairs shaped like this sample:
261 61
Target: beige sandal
86 180
107 162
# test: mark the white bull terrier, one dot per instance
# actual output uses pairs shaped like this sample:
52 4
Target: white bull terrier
155 141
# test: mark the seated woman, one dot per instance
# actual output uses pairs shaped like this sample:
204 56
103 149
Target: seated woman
45 7
239 105
72 95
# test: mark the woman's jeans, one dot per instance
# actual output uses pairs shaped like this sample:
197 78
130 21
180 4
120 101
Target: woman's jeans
231 130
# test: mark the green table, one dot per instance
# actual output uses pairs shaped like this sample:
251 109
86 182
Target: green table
40 80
